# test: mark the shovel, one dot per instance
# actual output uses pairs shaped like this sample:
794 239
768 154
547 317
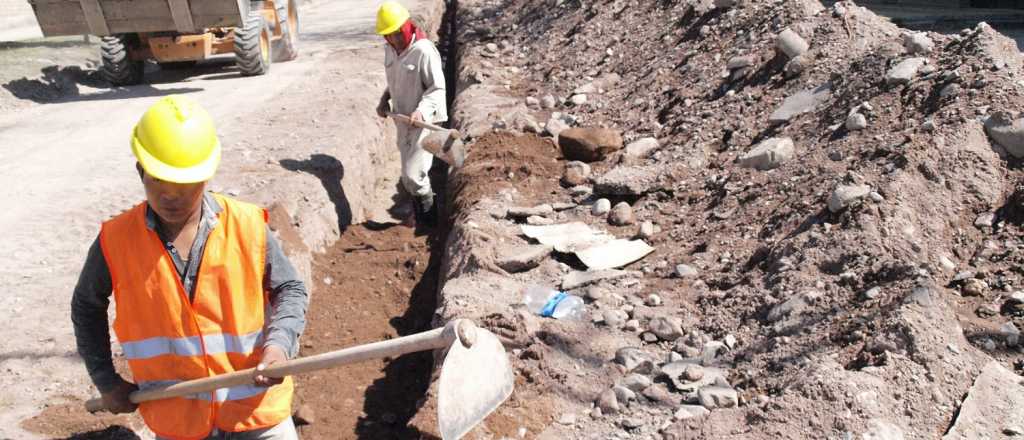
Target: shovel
445 144
476 376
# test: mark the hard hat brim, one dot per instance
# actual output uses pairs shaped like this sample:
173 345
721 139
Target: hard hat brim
199 173
390 29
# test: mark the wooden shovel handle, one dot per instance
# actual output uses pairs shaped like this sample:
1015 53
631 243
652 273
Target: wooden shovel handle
421 124
462 330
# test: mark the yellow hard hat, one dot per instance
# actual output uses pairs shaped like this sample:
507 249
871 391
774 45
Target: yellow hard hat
390 17
175 141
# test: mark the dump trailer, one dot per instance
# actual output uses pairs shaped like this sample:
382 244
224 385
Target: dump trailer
176 33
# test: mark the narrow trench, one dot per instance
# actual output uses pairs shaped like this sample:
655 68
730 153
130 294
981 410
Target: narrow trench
375 283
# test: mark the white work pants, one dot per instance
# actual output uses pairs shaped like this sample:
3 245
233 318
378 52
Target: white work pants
416 161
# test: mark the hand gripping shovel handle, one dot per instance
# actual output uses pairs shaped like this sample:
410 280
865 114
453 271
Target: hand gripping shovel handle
461 330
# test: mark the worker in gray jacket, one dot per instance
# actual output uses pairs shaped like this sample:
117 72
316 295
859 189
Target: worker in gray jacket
416 88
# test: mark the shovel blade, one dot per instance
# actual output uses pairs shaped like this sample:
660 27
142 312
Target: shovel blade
474 382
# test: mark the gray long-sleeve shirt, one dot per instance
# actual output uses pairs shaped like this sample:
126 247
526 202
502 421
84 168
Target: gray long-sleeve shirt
92 296
416 80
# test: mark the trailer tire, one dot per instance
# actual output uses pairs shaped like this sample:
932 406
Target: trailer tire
253 48
287 48
117 65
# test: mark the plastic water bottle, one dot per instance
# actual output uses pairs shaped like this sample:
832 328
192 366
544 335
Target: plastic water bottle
551 303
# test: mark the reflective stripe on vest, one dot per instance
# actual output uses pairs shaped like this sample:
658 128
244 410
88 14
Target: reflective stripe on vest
192 346
168 337
220 395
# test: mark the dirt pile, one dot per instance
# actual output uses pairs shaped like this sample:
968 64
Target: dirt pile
837 237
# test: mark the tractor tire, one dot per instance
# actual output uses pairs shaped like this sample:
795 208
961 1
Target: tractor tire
253 48
287 48
117 67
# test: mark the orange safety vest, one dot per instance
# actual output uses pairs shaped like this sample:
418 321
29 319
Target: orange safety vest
167 339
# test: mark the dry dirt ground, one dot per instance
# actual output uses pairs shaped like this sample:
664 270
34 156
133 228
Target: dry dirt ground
302 141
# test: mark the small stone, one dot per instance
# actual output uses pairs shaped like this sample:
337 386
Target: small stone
739 62
641 147
636 382
693 373
615 318
567 419
555 126
649 337
846 195
928 125
950 91
646 230
873 293
621 215
328 281
623 395
768 154
730 341
1011 333
532 102
601 207
632 423
685 271
905 71
725 4
1016 297
666 329
576 173
652 300
492 47
659 393
791 44
876 197
632 325
608 402
630 357
579 99
1013 431
985 220
691 412
796 66
917 43
1007 131
975 287
856 121
946 263
595 293
715 396
548 102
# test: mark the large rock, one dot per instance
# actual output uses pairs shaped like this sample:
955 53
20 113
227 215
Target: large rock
589 144
522 212
905 71
846 195
523 258
628 181
636 382
691 412
791 44
630 357
1007 132
802 102
768 154
994 402
714 396
608 402
555 126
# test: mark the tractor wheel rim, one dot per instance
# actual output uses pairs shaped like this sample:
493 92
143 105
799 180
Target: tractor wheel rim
265 46
293 22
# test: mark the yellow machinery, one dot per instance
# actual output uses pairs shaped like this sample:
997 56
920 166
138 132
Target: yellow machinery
176 33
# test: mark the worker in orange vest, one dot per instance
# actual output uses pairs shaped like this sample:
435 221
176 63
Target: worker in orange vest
201 288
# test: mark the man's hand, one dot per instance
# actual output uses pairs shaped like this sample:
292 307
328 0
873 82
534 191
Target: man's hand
116 400
384 106
416 116
271 354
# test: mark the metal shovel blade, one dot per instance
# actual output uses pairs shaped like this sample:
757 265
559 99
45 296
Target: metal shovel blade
474 381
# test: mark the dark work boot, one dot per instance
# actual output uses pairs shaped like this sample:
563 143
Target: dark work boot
426 215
